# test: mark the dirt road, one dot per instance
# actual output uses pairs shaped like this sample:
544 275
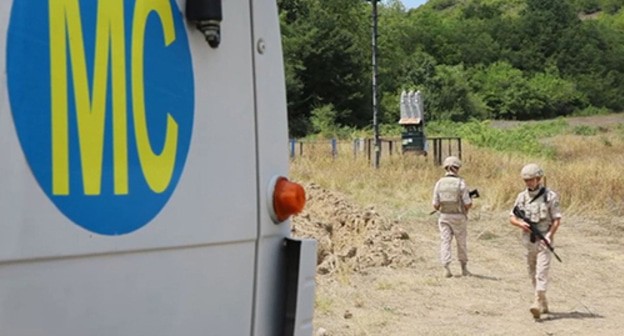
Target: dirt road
411 297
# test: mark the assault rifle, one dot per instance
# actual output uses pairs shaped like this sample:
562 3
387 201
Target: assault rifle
535 232
472 193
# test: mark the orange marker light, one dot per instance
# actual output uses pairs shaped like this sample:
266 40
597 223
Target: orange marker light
288 198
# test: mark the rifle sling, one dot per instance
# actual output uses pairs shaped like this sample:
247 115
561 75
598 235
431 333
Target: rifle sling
540 193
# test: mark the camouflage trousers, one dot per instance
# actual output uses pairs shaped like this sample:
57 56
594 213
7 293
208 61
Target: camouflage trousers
538 262
453 226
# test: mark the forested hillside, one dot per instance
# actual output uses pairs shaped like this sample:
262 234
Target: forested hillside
482 59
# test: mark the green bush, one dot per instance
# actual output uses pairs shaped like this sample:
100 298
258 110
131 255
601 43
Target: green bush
584 130
324 121
619 128
591 111
524 138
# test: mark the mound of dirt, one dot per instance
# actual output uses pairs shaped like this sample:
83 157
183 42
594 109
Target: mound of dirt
350 237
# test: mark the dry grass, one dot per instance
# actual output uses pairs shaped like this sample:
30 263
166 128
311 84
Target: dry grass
586 288
586 172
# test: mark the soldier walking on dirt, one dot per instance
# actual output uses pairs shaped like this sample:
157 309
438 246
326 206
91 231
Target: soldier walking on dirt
451 199
541 206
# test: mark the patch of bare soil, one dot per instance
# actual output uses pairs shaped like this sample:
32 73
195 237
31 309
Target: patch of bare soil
377 276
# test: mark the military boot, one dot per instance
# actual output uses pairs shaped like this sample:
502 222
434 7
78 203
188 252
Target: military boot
465 271
539 304
541 298
447 271
535 309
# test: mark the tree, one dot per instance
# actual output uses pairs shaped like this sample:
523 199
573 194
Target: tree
323 50
543 26
447 94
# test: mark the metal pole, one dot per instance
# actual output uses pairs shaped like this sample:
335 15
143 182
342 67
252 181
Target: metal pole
375 103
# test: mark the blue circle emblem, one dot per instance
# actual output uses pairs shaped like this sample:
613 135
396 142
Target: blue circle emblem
102 96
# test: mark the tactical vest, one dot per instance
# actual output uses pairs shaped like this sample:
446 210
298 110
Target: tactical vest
449 190
537 211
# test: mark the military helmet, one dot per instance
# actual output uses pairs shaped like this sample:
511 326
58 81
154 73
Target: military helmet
452 161
530 171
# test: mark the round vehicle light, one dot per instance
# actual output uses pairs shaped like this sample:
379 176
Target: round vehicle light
288 199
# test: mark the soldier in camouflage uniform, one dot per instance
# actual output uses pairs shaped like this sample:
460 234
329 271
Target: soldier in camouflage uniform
541 206
451 199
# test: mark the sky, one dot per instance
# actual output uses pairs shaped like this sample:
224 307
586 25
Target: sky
413 3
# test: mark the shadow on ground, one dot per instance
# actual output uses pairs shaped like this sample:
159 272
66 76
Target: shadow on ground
576 315
485 277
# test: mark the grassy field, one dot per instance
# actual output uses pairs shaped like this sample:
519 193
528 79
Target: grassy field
582 163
